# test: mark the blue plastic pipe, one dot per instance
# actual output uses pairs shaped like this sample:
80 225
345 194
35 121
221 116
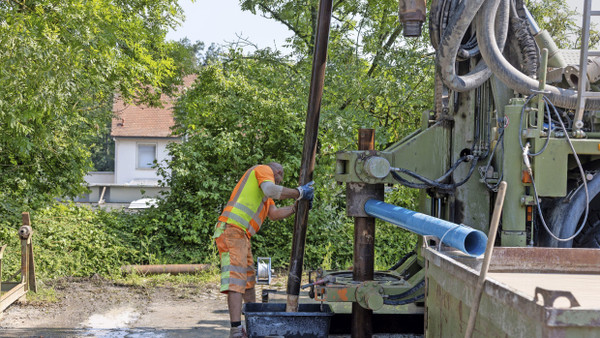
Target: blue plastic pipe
462 237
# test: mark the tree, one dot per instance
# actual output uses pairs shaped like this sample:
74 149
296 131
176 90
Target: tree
60 65
557 18
250 108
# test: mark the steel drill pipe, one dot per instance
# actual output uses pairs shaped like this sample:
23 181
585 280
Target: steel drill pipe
462 237
173 269
364 243
309 150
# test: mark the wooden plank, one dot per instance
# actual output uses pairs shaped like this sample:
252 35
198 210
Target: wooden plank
12 295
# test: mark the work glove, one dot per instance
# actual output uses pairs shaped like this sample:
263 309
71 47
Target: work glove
307 192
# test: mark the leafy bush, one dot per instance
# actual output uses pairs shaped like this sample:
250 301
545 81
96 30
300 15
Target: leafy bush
71 241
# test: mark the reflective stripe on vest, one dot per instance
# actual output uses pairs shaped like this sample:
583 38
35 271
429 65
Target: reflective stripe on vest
252 225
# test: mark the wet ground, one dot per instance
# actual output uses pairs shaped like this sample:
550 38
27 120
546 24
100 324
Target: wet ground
100 308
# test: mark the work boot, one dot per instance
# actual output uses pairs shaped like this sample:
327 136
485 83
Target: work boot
237 332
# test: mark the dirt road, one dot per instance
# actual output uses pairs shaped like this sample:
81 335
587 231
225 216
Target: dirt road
101 308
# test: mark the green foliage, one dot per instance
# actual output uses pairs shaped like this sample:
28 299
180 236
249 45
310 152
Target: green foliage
251 109
61 62
562 22
102 145
72 241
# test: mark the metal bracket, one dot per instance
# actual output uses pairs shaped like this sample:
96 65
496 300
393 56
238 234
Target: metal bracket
550 296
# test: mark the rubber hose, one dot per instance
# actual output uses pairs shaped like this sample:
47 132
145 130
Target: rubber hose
439 15
434 22
450 44
565 218
404 301
525 41
408 292
509 75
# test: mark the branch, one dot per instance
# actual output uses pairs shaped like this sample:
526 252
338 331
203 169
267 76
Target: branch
337 4
274 61
384 49
377 58
23 5
277 17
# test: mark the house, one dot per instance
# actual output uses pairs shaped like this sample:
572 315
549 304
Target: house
141 136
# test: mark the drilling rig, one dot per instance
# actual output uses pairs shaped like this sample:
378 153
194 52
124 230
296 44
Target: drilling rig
509 106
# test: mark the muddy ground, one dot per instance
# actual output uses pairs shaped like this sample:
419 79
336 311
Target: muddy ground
101 308
98 307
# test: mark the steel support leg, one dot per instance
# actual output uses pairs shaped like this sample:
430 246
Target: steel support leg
364 238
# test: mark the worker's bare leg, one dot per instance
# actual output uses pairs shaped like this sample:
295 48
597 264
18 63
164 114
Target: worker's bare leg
234 301
250 296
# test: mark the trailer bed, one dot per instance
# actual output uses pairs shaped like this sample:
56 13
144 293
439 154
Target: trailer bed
509 307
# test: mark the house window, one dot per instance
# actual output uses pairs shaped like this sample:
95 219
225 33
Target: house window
146 155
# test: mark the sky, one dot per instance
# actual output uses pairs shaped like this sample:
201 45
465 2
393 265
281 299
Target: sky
222 21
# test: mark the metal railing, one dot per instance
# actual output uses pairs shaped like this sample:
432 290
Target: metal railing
582 89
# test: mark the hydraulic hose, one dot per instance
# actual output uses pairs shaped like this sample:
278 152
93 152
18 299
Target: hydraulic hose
509 75
450 44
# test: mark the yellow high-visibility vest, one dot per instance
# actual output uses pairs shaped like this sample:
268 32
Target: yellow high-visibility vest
248 206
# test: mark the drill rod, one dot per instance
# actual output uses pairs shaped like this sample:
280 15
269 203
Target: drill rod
307 166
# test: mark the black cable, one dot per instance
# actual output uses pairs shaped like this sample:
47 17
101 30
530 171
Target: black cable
542 122
404 301
484 174
428 183
408 292
582 172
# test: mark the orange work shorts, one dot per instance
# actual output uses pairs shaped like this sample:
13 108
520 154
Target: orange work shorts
237 263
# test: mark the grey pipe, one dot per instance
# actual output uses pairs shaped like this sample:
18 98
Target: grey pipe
453 34
508 74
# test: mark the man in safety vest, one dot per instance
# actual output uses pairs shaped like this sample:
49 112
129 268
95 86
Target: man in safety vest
250 203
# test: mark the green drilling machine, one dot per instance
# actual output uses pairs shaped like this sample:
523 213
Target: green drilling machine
509 106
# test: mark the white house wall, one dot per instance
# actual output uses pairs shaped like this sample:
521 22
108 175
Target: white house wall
126 169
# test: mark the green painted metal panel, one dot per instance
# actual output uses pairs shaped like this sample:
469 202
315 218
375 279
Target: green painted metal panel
513 238
471 201
550 171
551 167
424 152
513 217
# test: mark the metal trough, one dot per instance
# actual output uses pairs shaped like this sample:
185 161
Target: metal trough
271 319
529 292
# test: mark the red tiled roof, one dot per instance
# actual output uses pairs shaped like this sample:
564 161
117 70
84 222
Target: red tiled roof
144 121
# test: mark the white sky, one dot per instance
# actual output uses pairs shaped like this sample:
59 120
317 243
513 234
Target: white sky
222 21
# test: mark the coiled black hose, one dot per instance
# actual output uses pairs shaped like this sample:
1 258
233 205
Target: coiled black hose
429 183
452 36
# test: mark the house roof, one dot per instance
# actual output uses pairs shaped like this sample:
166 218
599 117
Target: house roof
131 120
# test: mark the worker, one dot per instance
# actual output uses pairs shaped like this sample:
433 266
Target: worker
250 203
